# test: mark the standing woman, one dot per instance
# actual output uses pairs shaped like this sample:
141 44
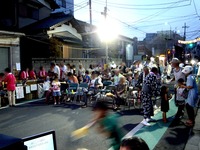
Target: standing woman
10 80
149 89
192 98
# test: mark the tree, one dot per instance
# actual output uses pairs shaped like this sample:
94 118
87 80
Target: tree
55 48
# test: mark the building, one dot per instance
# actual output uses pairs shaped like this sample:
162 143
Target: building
40 21
18 13
65 6
150 36
161 41
10 50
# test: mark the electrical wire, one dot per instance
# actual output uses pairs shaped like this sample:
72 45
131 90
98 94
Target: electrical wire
192 36
78 4
122 4
147 18
147 8
81 7
160 24
170 18
195 8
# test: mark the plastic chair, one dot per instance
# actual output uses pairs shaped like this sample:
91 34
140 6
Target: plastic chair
107 87
82 90
133 98
72 90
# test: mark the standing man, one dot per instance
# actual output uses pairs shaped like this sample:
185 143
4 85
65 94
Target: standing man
149 87
178 74
63 70
192 98
10 80
177 70
56 69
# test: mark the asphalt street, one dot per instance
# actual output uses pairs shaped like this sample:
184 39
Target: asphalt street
36 117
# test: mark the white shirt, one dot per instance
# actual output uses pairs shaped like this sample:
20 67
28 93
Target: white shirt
57 71
56 86
46 85
178 74
198 73
92 82
81 71
179 96
64 70
117 78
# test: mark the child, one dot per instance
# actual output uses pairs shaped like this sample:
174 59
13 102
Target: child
47 89
107 124
56 90
164 102
180 100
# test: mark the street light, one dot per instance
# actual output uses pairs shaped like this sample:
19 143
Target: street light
107 32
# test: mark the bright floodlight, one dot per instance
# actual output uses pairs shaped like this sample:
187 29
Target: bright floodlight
107 30
192 62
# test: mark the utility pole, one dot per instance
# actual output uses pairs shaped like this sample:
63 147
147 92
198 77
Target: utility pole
90 35
105 15
185 27
184 38
90 7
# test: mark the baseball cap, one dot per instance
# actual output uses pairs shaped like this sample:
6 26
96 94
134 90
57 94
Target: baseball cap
187 69
181 65
175 60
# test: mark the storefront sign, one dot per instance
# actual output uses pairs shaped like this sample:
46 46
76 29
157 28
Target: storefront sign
28 89
33 87
19 92
18 66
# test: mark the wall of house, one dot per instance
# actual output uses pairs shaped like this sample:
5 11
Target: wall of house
66 52
12 45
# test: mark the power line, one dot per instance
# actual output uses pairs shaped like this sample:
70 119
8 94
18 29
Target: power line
195 8
154 15
172 18
121 4
195 34
78 4
159 24
81 7
147 8
128 24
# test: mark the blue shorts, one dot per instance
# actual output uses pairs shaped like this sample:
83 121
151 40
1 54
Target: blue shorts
56 93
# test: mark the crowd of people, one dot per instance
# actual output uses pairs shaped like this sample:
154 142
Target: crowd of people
150 78
147 77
